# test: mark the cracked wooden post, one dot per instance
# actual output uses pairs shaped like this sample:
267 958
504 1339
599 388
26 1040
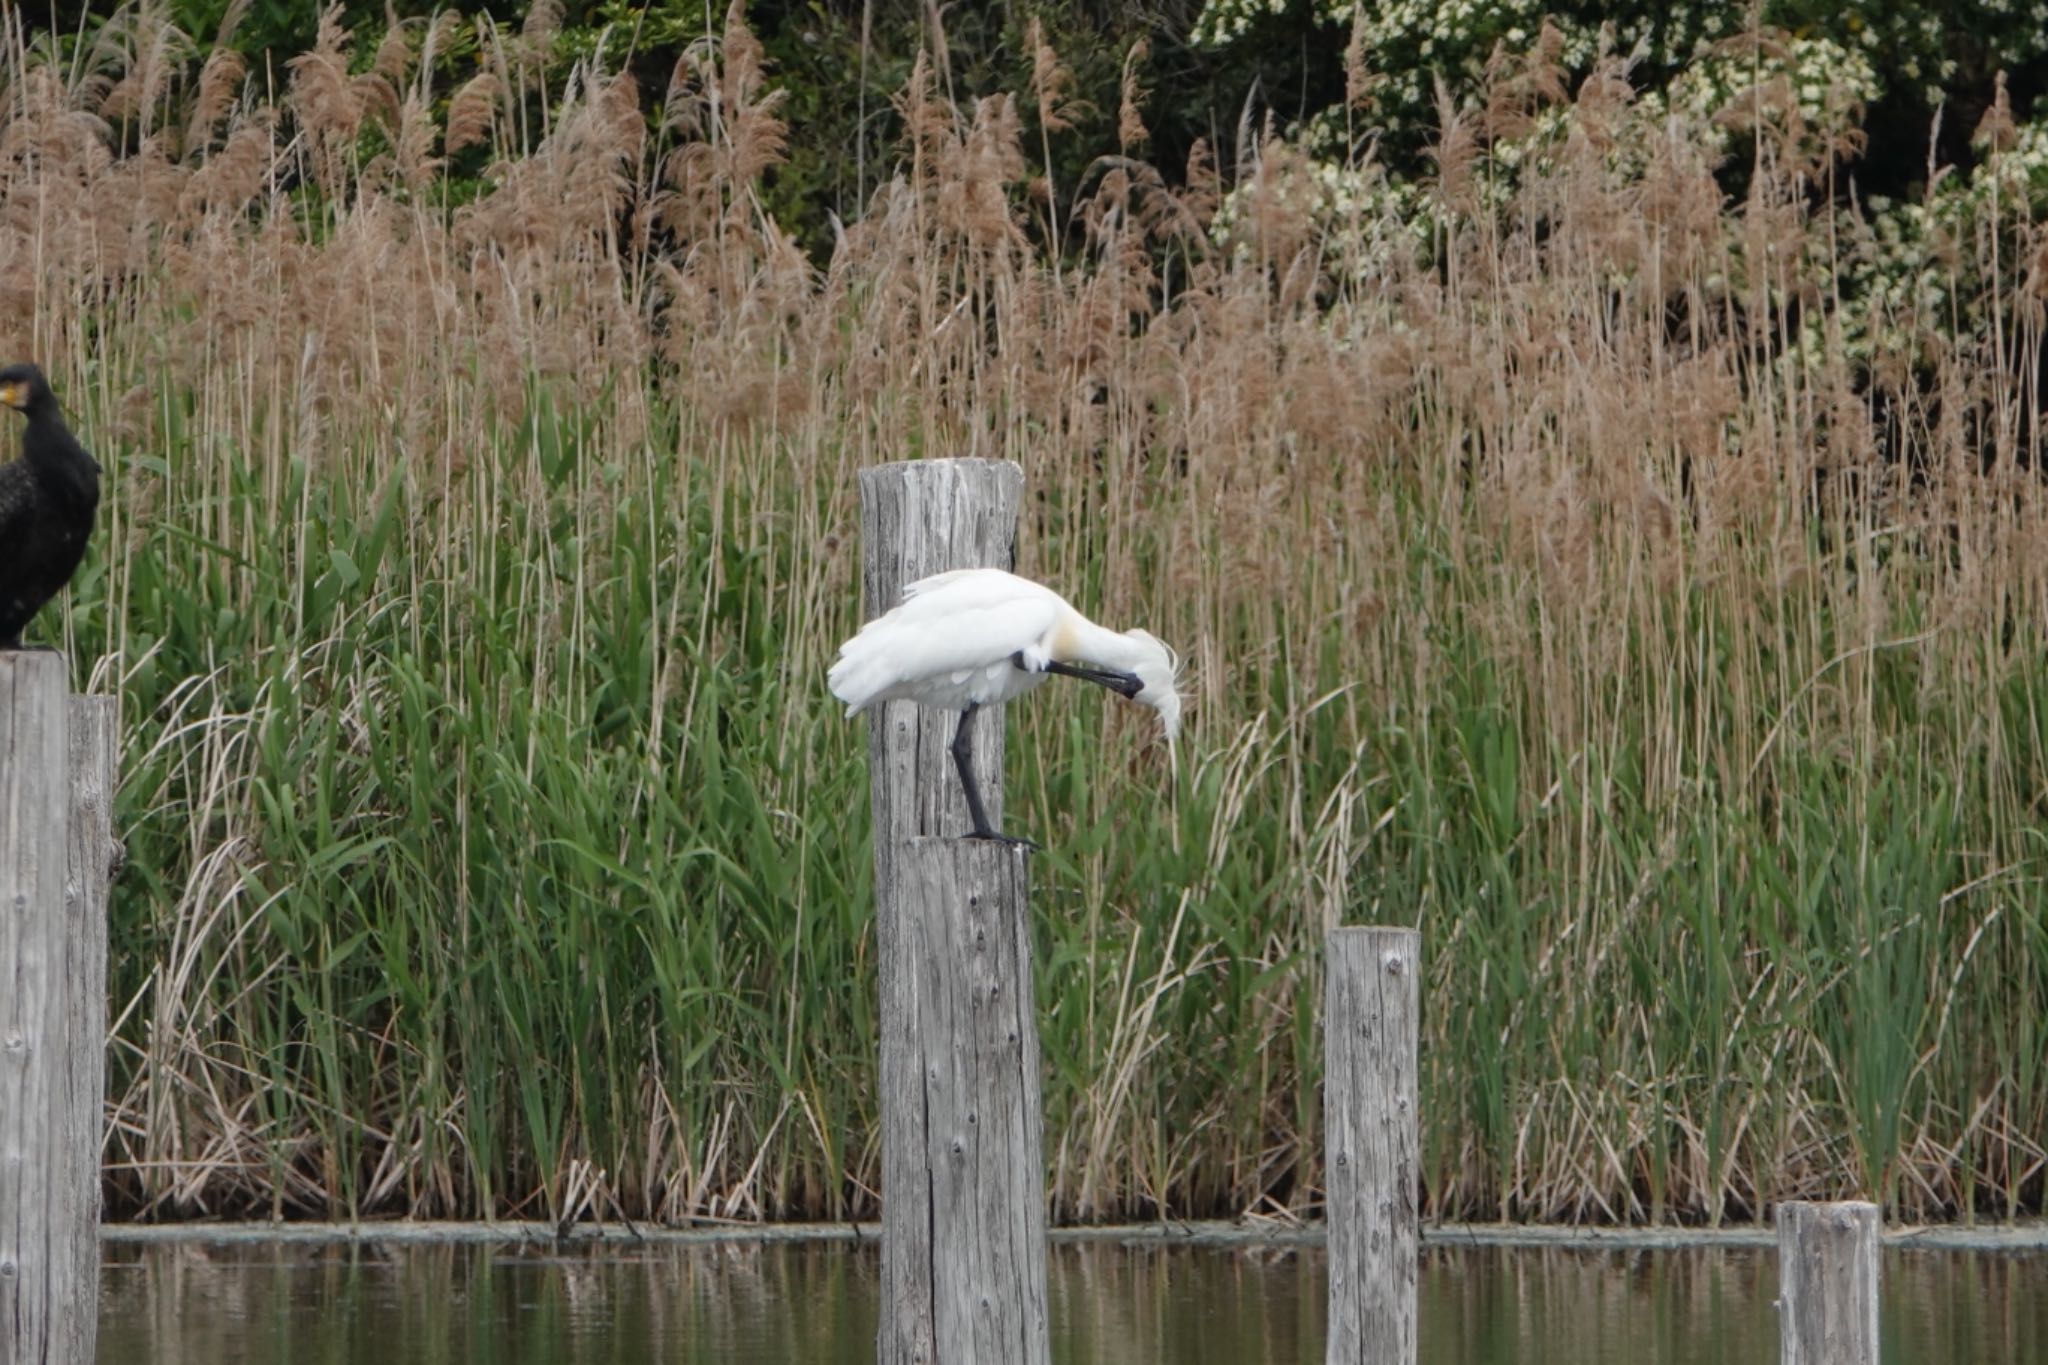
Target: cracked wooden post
1827 1283
963 1166
1371 1023
93 854
56 777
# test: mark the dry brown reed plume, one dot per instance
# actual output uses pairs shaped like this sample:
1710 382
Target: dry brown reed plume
1572 438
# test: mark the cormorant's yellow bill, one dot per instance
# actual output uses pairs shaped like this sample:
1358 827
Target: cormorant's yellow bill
13 394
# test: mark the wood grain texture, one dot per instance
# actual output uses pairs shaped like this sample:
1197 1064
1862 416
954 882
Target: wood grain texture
1371 1024
88 878
46 1286
963 1196
1827 1283
963 1166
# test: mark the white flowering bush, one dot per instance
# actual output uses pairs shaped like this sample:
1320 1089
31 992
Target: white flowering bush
1813 86
1306 190
1920 269
1907 46
1807 92
1903 279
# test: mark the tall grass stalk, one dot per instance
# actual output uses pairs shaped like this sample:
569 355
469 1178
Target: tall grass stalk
482 518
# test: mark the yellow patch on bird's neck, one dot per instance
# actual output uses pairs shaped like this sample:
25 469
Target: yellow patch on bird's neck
1065 644
13 395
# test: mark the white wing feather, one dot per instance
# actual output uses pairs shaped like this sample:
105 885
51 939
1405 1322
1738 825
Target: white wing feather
950 641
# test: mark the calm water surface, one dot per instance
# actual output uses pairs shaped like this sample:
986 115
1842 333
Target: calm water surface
810 1304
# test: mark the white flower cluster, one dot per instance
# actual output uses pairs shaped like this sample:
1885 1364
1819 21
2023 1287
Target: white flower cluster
1830 82
1347 205
1925 265
1732 92
1903 273
1410 42
1225 21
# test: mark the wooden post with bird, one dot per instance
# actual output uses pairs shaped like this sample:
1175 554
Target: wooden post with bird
1827 1283
963 1194
953 633
1371 1024
56 856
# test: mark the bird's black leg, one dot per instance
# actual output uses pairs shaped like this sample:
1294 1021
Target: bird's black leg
963 759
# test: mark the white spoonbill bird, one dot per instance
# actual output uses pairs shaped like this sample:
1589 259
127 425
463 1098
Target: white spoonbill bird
963 639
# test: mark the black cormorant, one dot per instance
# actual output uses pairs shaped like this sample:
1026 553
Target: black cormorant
47 501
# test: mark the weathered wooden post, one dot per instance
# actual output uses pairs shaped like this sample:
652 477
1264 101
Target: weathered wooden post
1827 1283
56 775
963 1168
1371 1023
92 852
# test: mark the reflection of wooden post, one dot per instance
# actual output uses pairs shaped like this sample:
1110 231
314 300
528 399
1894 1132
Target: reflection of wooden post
54 847
1827 1283
963 1170
1371 1021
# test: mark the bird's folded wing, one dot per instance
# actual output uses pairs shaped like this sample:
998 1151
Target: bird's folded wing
17 497
942 634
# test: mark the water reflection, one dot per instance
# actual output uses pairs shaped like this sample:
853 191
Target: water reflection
814 1304
184 1304
1119 1305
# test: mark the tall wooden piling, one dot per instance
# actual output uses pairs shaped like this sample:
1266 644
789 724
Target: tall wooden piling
56 776
963 1166
91 851
963 1197
1827 1283
1371 1023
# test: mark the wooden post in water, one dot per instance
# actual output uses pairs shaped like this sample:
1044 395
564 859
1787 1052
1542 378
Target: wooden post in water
1827 1283
56 776
91 855
963 1167
1371 1023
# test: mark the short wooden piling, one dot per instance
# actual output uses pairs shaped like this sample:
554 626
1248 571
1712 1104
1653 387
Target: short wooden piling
56 774
963 1196
1371 1023
1827 1283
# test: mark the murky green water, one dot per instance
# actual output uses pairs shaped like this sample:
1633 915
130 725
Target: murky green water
808 1304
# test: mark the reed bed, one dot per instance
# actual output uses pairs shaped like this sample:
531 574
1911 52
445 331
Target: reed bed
1584 577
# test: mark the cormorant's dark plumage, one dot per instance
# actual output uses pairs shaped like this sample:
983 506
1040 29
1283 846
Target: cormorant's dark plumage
47 501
